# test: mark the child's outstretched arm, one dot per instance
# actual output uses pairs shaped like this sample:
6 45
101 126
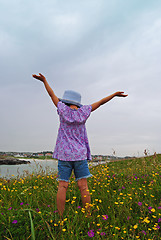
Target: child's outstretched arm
106 99
48 88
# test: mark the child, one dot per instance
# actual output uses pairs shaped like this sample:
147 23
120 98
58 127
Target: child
72 147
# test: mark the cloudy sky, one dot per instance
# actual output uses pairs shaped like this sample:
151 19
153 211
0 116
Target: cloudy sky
95 47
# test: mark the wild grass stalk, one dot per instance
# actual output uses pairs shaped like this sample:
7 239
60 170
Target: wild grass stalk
32 227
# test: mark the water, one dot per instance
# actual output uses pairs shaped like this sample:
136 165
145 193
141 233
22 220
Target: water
36 166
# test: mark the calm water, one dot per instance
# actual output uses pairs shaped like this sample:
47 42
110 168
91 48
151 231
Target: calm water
36 166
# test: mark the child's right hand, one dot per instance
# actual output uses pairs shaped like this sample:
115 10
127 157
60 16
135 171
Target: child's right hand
39 77
120 94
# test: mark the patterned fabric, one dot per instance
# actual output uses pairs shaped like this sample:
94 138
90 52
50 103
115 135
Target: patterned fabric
72 141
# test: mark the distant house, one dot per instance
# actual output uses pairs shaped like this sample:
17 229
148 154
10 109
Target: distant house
17 155
43 154
40 154
100 158
48 154
97 158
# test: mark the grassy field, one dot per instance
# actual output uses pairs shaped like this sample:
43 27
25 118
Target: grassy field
126 204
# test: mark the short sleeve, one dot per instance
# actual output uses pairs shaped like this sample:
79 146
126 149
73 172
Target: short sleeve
61 107
85 111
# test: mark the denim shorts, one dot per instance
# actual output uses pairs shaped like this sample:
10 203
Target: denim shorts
80 168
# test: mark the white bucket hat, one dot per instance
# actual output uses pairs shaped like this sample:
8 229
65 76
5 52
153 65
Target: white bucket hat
71 97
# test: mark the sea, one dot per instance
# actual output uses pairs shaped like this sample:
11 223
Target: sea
34 167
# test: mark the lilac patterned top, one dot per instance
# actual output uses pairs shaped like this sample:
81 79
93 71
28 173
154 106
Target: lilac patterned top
72 141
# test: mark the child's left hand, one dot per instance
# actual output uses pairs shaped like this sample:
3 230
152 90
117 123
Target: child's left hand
39 77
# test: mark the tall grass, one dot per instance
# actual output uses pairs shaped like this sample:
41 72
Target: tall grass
32 227
126 204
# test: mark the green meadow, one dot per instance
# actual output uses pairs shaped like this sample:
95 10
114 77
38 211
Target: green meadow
126 204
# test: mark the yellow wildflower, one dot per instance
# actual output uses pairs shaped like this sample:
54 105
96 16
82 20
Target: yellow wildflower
135 226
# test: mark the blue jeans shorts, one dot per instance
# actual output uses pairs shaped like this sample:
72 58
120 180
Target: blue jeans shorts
80 168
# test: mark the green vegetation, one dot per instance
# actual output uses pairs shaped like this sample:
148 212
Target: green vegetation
38 157
126 204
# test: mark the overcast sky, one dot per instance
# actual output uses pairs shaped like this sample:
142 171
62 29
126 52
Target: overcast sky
95 47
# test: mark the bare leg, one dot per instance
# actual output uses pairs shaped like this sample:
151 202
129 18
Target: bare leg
61 196
85 195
